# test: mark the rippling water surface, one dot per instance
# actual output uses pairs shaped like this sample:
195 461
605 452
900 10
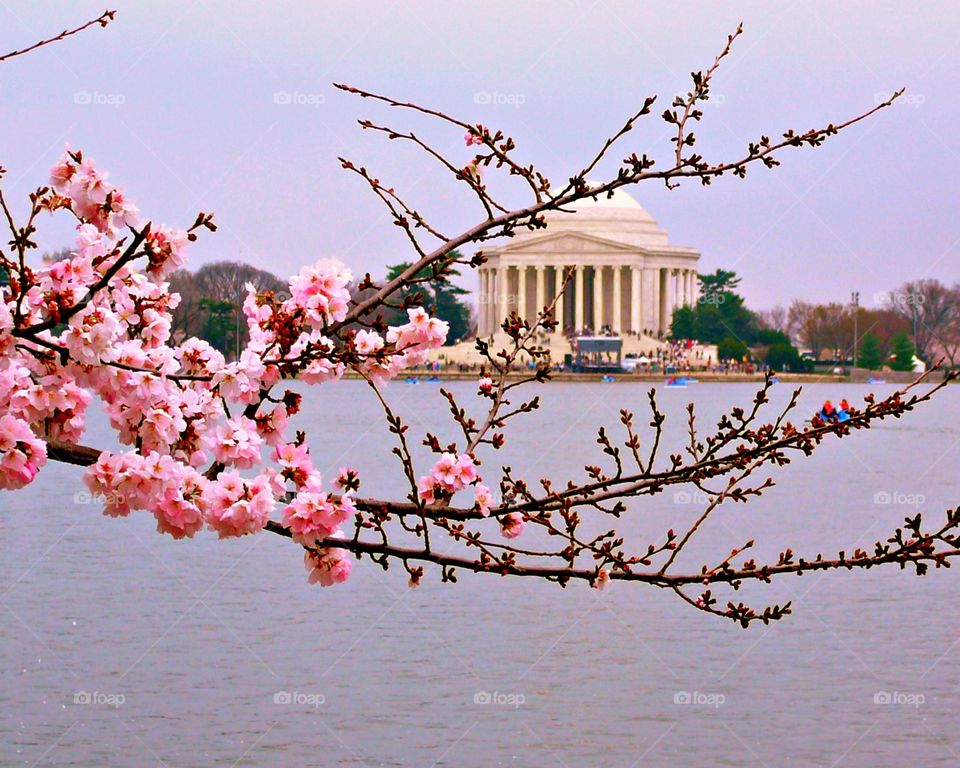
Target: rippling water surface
218 653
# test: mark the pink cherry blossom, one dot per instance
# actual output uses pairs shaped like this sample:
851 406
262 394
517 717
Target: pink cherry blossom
313 516
483 497
603 579
474 136
238 442
327 566
321 290
367 342
450 474
512 525
236 506
21 453
168 250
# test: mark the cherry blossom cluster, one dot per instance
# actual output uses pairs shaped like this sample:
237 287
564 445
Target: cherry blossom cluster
205 440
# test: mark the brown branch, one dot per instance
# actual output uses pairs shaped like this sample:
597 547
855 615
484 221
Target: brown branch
105 18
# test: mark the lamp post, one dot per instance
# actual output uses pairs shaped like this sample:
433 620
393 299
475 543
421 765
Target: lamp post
855 300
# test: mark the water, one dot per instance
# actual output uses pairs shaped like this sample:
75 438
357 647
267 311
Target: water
189 651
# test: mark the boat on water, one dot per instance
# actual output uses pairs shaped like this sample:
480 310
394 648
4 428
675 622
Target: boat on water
874 380
677 382
412 380
607 379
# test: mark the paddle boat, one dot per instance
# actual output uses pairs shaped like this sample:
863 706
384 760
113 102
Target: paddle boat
607 379
676 382
874 380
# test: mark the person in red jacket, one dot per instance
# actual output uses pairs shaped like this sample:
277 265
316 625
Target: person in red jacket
828 412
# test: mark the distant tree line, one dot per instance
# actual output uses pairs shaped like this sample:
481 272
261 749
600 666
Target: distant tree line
211 301
919 318
720 316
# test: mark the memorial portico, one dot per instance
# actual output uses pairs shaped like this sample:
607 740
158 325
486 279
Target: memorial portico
625 275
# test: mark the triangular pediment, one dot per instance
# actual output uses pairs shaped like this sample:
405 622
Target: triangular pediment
566 242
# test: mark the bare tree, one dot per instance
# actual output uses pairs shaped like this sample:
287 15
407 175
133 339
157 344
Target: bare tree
775 319
222 282
929 306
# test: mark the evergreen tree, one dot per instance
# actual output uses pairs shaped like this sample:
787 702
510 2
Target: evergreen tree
903 352
783 356
732 348
439 295
718 314
684 323
870 354
718 283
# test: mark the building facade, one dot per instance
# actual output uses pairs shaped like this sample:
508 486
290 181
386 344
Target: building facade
627 277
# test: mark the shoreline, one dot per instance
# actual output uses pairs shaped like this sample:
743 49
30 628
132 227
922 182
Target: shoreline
625 377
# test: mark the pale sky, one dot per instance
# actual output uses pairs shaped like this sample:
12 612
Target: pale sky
178 101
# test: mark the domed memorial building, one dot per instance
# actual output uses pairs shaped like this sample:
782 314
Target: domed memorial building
628 277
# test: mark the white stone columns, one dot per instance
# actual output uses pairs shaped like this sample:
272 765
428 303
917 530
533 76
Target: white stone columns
482 303
578 299
663 297
636 301
597 323
503 295
648 301
541 287
490 308
522 292
559 293
617 300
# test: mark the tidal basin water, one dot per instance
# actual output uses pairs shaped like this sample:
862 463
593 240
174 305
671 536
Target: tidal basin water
121 647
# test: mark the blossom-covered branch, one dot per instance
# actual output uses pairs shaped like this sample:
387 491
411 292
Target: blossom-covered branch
207 442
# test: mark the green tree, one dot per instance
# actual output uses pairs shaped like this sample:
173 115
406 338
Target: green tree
718 283
902 353
870 354
684 323
732 348
719 313
439 295
219 323
783 356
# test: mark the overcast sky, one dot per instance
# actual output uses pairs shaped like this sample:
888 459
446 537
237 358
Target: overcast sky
178 100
